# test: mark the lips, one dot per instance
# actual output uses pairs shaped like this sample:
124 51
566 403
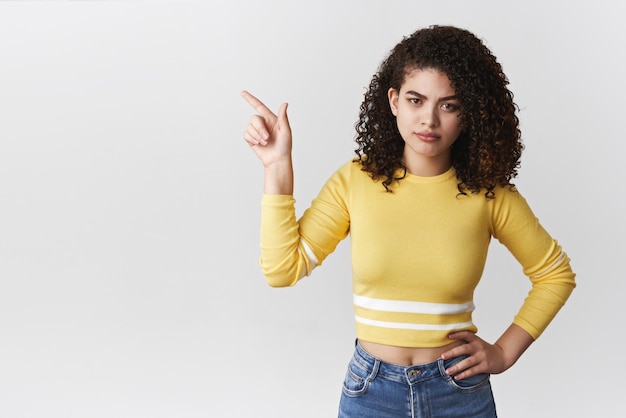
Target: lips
427 137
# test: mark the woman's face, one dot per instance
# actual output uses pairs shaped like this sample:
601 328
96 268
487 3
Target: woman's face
428 117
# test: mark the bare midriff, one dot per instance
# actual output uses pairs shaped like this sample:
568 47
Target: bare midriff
406 356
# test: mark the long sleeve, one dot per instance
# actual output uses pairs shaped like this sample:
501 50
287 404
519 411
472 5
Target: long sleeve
542 258
291 248
282 259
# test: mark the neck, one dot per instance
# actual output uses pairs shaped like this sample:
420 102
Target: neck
427 168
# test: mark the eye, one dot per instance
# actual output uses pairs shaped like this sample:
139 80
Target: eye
415 100
450 107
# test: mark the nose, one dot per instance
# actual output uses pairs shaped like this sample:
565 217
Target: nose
430 117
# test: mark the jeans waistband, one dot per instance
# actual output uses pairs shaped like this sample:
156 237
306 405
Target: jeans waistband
412 374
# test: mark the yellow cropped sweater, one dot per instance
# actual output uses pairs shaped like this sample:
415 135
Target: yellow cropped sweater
417 253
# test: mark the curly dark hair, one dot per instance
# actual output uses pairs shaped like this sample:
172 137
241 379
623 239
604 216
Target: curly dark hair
487 152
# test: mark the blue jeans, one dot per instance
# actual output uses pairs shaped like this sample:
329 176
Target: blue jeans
375 389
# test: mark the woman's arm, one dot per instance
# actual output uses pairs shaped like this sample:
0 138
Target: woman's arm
548 268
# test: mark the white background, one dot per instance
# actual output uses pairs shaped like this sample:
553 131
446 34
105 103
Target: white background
129 203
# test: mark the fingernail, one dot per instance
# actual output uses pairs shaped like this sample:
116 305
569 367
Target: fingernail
265 135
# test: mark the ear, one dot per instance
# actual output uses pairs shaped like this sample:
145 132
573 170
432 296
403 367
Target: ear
393 97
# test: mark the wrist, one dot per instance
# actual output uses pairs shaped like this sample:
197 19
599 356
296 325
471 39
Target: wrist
279 177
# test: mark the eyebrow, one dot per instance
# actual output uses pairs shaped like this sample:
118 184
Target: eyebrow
421 96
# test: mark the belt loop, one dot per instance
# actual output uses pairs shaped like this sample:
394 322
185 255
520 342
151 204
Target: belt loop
375 369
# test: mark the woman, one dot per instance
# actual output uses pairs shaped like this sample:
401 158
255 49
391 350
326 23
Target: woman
438 145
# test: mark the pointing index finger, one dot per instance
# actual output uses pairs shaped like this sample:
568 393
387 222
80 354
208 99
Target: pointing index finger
257 105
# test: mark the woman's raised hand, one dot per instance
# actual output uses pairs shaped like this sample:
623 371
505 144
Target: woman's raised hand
268 135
